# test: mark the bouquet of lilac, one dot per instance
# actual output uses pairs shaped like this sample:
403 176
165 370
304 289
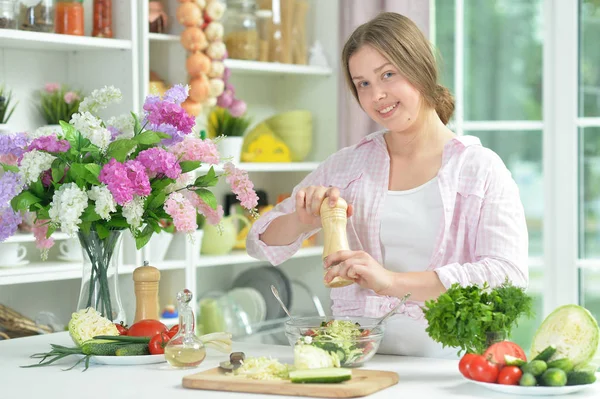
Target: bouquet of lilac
98 178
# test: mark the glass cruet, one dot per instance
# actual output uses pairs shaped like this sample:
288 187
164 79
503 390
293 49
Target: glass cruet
185 349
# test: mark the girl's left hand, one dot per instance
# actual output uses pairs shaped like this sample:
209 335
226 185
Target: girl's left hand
360 267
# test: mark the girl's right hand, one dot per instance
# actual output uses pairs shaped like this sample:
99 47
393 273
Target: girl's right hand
308 204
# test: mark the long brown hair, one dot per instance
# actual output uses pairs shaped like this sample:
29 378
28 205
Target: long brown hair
404 45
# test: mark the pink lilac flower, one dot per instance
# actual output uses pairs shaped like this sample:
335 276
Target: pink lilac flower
9 159
140 182
70 96
49 144
13 144
40 229
176 94
164 112
114 175
159 162
11 184
51 87
213 216
195 149
241 186
182 211
9 222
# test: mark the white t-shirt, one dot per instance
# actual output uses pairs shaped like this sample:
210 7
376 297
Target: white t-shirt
409 226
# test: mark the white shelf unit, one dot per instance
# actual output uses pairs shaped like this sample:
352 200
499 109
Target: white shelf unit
267 167
125 62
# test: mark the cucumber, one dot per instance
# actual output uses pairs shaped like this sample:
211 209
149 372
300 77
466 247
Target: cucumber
564 364
546 353
133 350
100 347
323 376
581 377
554 378
513 361
527 380
535 367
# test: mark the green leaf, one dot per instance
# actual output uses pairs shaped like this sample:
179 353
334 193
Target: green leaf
119 149
208 197
103 232
42 213
154 224
23 201
160 184
84 174
85 227
69 132
37 188
188 166
142 238
89 214
210 179
51 229
137 128
118 222
10 168
149 137
94 169
157 200
58 170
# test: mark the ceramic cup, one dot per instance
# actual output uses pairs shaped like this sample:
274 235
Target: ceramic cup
12 253
71 249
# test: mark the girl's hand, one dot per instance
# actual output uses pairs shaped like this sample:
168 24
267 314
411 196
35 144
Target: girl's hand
360 267
308 204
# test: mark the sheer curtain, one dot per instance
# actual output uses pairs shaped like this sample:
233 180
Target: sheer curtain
354 124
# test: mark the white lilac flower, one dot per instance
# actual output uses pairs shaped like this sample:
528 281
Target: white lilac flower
68 203
105 203
133 212
100 99
91 128
33 164
124 124
45 131
181 182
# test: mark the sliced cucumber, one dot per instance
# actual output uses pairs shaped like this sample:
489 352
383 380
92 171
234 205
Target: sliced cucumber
321 376
513 361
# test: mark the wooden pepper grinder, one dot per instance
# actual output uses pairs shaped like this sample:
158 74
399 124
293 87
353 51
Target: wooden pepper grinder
334 221
146 280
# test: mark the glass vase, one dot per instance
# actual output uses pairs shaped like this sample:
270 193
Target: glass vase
492 337
100 279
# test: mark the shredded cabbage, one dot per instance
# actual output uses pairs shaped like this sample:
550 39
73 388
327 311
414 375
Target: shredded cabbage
262 368
88 323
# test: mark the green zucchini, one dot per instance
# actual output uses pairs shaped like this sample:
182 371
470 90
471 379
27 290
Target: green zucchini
133 350
324 375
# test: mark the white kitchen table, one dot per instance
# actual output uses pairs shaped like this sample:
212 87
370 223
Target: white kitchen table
420 378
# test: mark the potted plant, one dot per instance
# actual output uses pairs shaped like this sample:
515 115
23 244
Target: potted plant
6 108
58 103
228 130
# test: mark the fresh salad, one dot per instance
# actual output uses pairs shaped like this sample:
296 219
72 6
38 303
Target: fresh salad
340 337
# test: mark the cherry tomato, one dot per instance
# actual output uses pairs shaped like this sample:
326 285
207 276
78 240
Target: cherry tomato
499 350
122 329
174 330
464 366
482 370
510 375
157 343
147 328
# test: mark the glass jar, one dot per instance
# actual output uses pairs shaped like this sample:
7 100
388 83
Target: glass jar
37 15
102 18
9 14
69 17
241 34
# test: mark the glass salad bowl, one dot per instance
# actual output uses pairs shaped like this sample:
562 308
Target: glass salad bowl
354 339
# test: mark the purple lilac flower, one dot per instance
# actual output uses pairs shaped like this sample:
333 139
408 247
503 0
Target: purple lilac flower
114 132
114 175
49 144
176 94
11 184
138 178
164 112
176 136
9 222
150 102
13 144
159 162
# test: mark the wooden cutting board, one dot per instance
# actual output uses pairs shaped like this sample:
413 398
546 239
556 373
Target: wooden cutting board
363 383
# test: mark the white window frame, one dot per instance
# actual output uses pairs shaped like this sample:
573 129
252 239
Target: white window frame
560 261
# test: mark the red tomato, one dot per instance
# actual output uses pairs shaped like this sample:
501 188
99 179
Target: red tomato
121 328
147 328
157 343
510 375
497 351
174 330
482 370
464 366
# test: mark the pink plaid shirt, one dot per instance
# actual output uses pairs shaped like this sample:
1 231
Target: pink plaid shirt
483 236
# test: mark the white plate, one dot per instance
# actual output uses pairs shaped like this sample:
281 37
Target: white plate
127 360
67 259
17 264
532 391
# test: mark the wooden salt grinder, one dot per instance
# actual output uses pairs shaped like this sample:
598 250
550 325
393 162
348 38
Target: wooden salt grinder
334 221
146 280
